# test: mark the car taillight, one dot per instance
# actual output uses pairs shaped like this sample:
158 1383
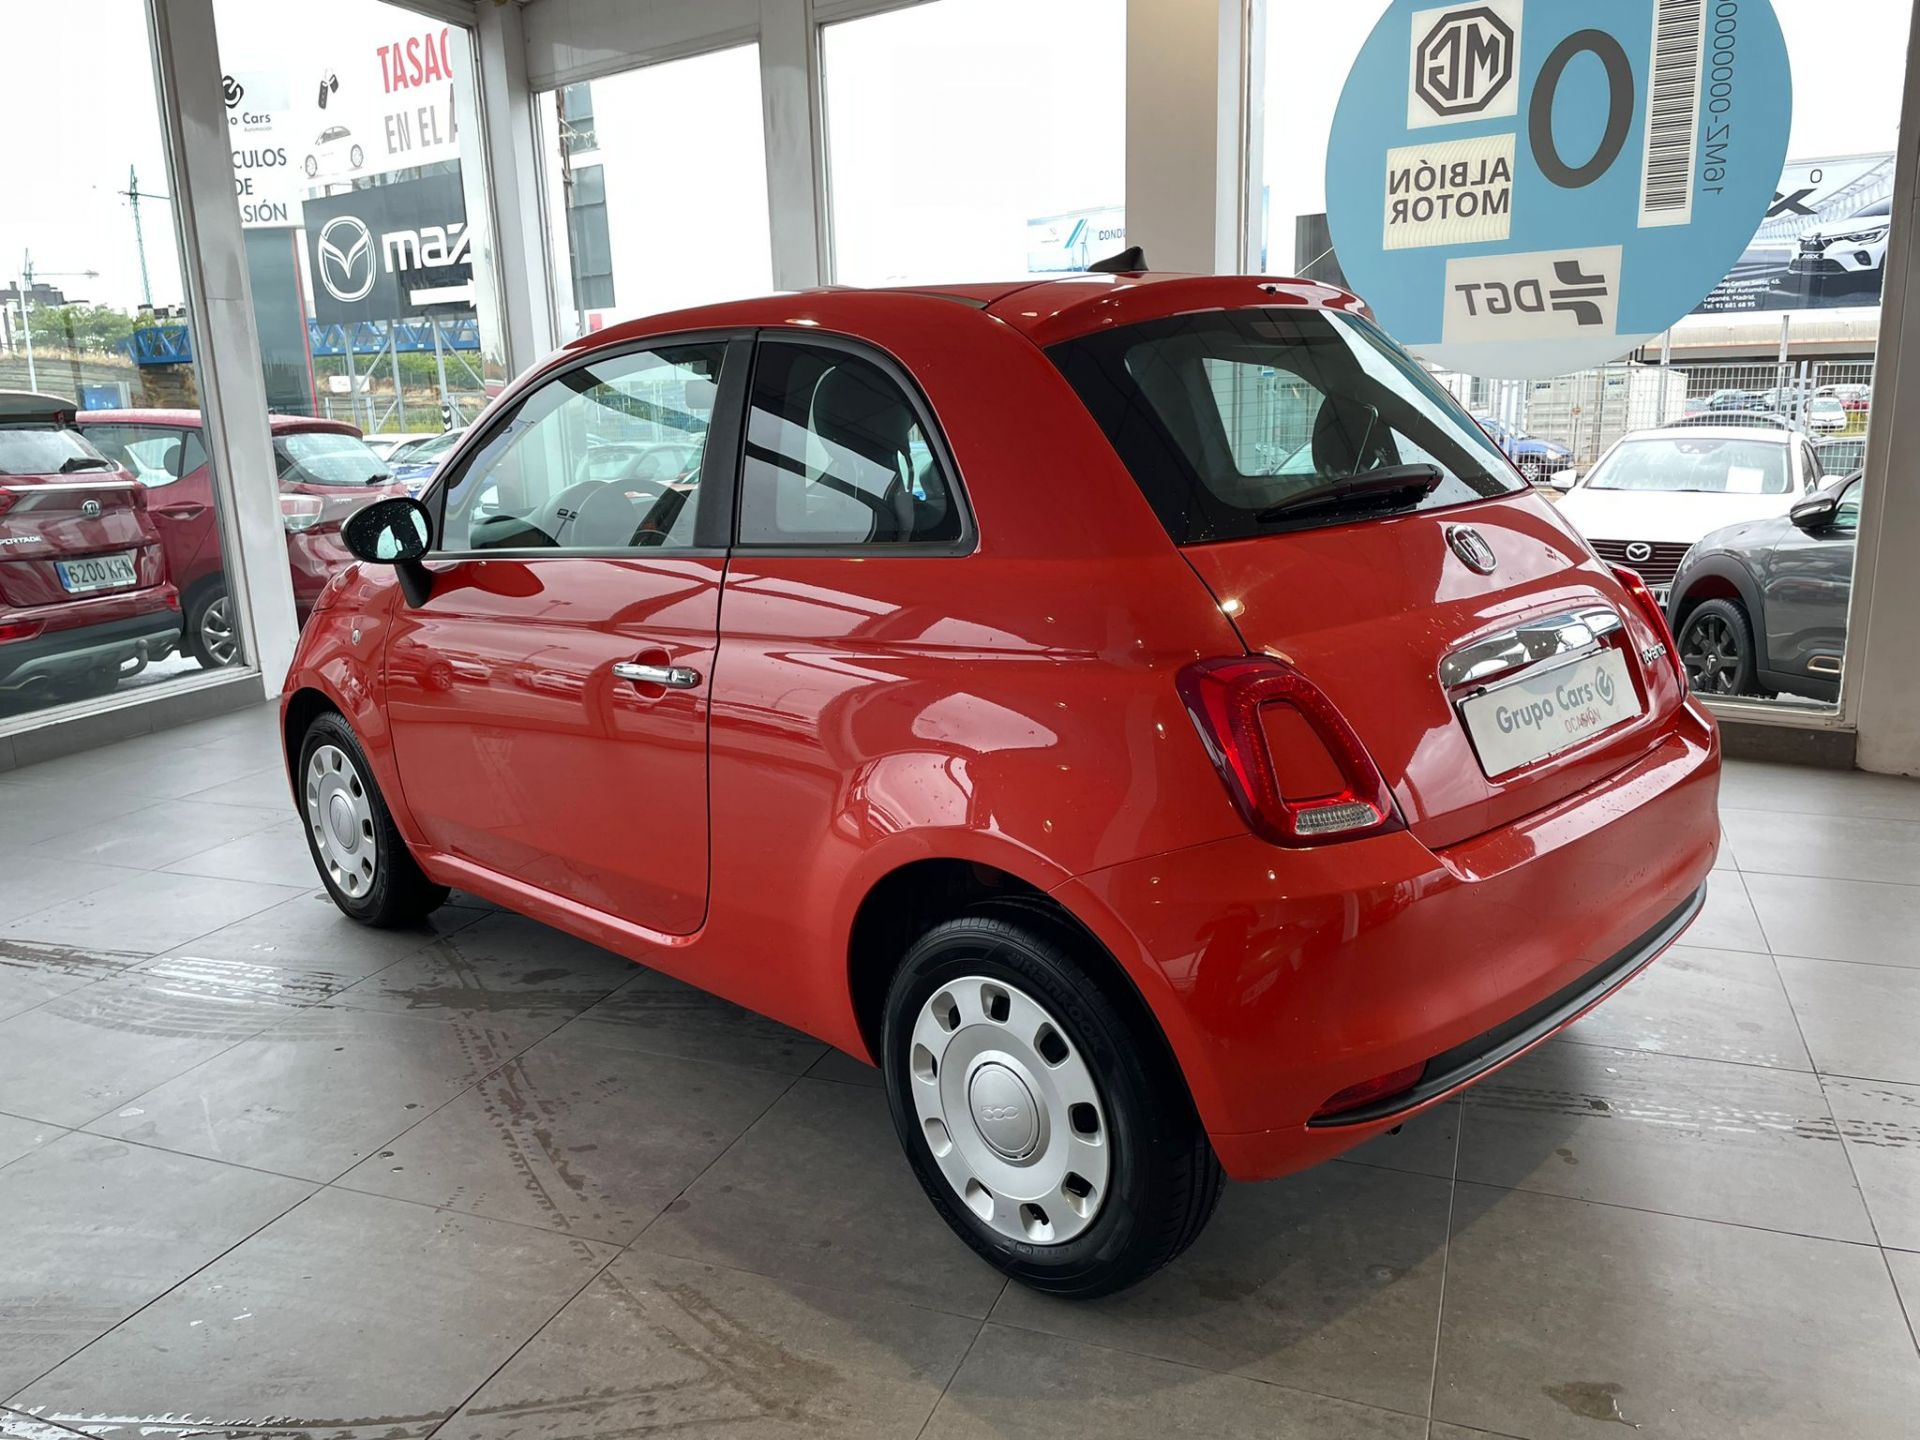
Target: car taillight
19 629
1366 1092
1291 763
1656 617
300 512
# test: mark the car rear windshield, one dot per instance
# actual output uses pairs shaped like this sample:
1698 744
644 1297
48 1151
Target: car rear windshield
1695 463
1224 415
323 457
46 450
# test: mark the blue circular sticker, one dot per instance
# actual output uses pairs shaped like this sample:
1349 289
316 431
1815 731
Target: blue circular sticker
1521 188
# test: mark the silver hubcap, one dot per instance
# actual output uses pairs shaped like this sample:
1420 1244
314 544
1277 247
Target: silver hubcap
216 632
1010 1111
341 817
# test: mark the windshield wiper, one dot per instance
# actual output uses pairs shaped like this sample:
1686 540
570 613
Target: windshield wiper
1387 488
84 462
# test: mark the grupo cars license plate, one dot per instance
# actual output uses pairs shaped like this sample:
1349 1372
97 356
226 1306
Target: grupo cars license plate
1548 711
101 572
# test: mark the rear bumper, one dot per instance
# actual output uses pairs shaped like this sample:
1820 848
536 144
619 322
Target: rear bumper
54 657
1284 977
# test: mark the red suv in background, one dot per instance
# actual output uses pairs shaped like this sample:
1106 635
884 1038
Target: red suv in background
1143 714
84 595
326 472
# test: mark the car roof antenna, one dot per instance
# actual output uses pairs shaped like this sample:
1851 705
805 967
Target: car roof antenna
1130 261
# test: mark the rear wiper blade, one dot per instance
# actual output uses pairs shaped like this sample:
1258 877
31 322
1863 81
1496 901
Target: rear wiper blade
1386 487
84 462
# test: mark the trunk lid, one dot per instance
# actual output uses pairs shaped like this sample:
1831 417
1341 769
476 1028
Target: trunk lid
1369 611
44 522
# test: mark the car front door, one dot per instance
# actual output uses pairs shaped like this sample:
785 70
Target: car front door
549 698
1807 579
172 463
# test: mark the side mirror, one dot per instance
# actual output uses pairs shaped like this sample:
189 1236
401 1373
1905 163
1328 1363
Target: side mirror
394 532
1563 480
1816 514
388 532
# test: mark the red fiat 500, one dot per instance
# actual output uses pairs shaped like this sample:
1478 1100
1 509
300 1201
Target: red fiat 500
1143 714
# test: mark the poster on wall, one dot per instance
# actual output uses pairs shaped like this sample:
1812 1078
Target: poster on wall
391 252
1822 245
1062 243
1522 188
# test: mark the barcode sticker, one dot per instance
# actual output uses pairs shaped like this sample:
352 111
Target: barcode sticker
1673 112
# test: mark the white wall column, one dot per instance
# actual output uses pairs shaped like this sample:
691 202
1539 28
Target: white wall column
1192 119
521 261
233 396
796 189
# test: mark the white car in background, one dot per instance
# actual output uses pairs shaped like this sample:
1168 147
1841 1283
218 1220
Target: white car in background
1656 492
1837 250
386 442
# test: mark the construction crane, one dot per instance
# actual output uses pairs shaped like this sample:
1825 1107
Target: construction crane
134 195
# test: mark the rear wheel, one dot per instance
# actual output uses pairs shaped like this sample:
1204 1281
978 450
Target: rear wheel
1716 645
1042 1116
362 859
209 629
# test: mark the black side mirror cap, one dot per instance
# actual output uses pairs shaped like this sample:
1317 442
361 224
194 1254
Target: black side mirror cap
1816 514
396 532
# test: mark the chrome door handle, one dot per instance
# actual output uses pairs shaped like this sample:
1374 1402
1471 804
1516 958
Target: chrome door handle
674 677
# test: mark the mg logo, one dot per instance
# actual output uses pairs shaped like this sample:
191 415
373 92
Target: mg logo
1464 61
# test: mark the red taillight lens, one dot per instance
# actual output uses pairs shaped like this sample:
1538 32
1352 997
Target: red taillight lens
1291 763
300 512
19 629
1654 616
1367 1091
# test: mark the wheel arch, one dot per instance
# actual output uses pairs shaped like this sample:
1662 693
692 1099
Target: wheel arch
1723 578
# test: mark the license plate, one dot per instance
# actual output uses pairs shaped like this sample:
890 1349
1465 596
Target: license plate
1548 711
102 572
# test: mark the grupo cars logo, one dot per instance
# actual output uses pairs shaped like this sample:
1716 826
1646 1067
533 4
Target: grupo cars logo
345 252
231 90
1465 60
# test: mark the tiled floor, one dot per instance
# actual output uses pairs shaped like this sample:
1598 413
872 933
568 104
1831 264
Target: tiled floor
265 1173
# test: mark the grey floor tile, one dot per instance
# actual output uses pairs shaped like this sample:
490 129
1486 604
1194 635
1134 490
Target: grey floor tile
1706 1004
95 1229
840 1066
1425 1145
18 1425
93 1050
1565 1319
352 1313
275 855
33 974
587 1138
33 882
1328 1281
1881 1126
656 1012
1859 1020
1786 790
1834 847
308 931
817 1192
1014 1383
500 964
1905 1265
22 1137
277 982
1727 921
1461 1432
37 810
657 1345
1737 1143
158 834
150 913
1860 920
321 1091
265 788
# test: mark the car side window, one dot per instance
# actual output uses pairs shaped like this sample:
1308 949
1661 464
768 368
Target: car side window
835 455
1846 518
606 456
155 454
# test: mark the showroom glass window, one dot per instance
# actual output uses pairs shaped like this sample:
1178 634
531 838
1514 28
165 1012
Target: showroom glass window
656 182
94 321
975 139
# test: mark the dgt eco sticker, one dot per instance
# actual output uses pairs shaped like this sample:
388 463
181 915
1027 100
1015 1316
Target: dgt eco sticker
1564 181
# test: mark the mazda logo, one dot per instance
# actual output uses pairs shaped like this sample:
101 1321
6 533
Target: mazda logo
345 253
1639 552
1465 62
1472 548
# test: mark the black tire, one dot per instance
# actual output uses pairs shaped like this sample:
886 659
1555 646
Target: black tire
1716 646
207 629
1164 1180
398 893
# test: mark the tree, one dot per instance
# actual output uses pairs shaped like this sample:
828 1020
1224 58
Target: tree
95 328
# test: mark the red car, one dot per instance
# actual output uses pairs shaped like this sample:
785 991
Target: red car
325 473
84 595
1145 715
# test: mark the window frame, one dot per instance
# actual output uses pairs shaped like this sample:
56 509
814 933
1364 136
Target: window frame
719 464
969 538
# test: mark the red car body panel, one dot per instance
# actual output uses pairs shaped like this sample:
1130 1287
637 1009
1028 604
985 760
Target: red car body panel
1015 707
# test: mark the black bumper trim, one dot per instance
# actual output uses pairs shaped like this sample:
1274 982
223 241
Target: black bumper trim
1468 1061
55 655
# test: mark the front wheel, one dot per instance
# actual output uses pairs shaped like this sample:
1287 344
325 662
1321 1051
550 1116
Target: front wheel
209 630
1716 646
362 859
1041 1113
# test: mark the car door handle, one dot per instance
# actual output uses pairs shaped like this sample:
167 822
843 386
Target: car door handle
674 677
